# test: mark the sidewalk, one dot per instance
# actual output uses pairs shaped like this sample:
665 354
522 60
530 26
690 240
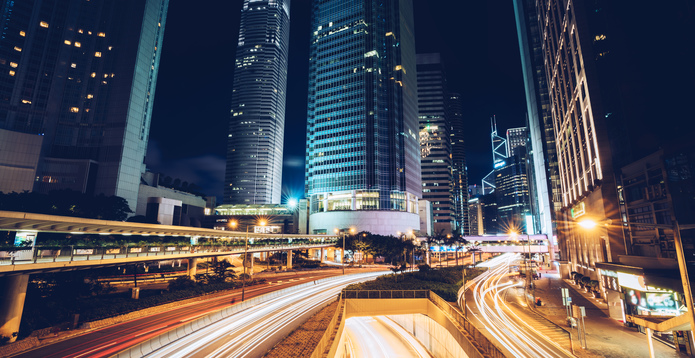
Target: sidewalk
605 336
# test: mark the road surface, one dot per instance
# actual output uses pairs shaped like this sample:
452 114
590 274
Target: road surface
488 309
379 337
109 340
252 332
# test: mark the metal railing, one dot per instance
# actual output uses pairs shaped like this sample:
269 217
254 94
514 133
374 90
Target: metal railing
42 254
385 294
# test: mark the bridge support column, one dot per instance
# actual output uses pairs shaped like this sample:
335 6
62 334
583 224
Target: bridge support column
14 290
192 268
289 259
323 254
250 264
427 257
331 254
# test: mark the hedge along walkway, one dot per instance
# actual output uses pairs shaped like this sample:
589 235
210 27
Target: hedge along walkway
303 341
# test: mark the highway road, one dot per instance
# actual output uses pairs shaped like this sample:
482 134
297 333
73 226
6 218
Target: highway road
251 332
501 323
109 340
379 337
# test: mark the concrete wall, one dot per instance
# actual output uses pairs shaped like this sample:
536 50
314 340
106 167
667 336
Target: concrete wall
438 341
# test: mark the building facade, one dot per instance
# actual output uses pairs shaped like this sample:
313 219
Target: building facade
82 75
363 153
516 141
435 141
459 169
257 120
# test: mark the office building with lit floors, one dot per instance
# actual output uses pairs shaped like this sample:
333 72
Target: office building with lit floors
459 169
81 76
362 163
257 123
435 141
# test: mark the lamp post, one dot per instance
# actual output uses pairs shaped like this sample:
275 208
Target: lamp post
234 224
678 243
342 259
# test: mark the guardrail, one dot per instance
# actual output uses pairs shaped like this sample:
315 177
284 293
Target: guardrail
39 254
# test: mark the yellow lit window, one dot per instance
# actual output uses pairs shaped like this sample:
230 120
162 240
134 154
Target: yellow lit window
22 33
74 109
26 101
89 32
101 34
94 74
112 75
77 44
106 75
97 54
13 64
103 82
67 42
11 73
73 65
18 49
80 31
110 47
43 24
90 96
86 110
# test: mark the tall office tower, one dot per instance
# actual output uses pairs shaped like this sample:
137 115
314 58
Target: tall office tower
611 103
512 193
544 180
81 75
257 122
516 141
435 141
459 168
499 157
475 217
362 163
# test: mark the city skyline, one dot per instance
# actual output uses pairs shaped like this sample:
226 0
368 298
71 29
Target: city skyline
488 80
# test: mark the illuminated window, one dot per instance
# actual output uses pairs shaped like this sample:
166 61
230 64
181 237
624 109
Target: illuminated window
103 82
86 110
110 47
43 24
94 74
80 31
97 54
112 75
73 65
22 33
90 96
18 49
74 109
13 64
26 101
67 42
101 34
77 44
11 73
89 32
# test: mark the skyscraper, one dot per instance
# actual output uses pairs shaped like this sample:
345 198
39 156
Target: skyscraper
82 75
257 121
459 168
516 141
362 163
435 133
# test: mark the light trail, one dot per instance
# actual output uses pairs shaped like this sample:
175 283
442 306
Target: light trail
379 337
252 331
516 336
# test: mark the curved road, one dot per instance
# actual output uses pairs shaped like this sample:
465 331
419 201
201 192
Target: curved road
252 332
501 323
106 341
379 337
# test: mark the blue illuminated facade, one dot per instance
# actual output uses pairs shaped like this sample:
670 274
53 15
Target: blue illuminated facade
362 125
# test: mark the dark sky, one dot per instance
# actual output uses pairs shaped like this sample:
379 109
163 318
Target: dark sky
188 134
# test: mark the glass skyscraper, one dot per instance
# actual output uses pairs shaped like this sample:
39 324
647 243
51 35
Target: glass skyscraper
257 122
362 163
82 75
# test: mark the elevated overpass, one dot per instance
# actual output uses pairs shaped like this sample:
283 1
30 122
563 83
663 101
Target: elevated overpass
16 264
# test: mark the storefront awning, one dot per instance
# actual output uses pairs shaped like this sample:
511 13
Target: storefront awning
662 323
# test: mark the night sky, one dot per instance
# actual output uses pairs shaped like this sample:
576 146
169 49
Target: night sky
188 134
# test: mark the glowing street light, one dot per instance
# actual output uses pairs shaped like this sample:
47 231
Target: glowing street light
587 224
292 203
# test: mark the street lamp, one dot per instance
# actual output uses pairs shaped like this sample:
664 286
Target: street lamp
342 260
687 292
246 251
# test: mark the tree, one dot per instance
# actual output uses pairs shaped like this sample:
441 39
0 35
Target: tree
396 268
181 283
222 272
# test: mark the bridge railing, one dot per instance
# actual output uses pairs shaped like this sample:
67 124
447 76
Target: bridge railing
385 294
41 254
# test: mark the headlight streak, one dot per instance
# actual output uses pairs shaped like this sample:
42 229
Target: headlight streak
245 330
516 339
